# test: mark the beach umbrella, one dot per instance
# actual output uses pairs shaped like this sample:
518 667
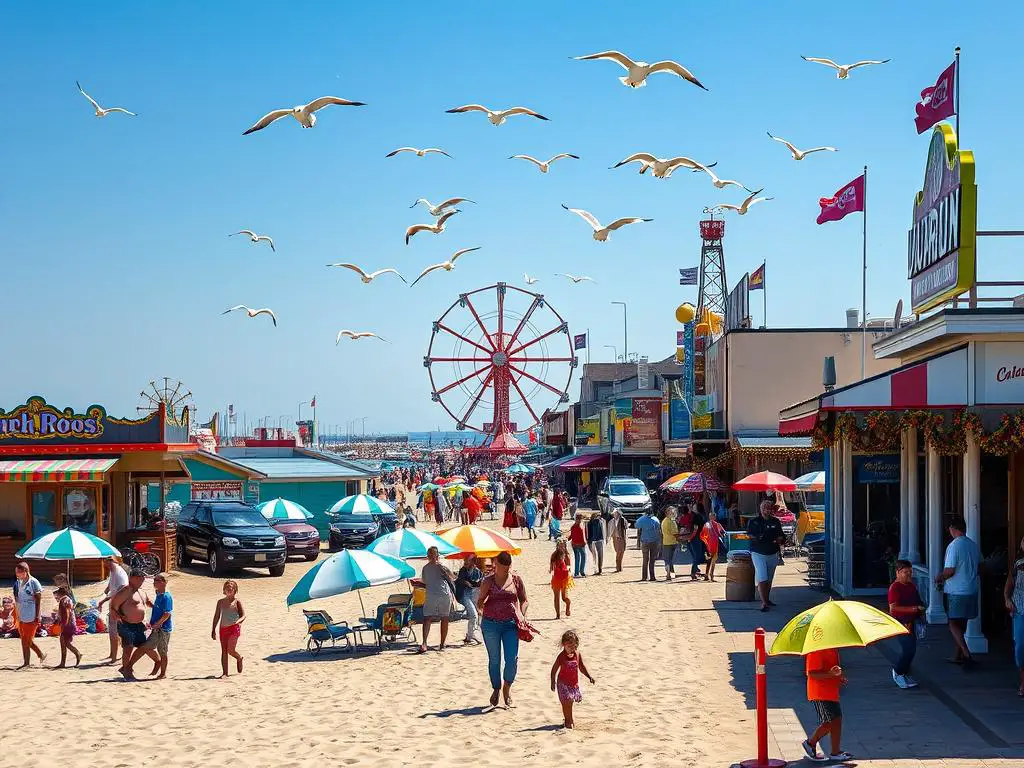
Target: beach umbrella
409 543
67 544
360 504
518 469
348 571
477 540
698 482
764 481
282 509
428 487
812 481
834 624
675 482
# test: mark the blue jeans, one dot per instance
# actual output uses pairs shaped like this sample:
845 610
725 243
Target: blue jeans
908 647
696 548
498 636
1018 639
579 556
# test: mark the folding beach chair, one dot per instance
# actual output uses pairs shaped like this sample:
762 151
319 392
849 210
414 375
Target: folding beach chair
321 629
392 622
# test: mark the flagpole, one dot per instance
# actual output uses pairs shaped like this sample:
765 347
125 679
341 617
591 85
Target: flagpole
864 281
956 91
764 297
588 346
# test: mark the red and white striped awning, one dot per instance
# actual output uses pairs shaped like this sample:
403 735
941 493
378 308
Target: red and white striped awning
55 470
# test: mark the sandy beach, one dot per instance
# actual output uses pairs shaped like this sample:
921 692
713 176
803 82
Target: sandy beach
655 650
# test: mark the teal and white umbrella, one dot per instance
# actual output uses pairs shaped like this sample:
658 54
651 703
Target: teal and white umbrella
68 544
348 571
408 543
282 509
519 469
360 504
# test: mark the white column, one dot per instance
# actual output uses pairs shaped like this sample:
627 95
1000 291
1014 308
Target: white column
933 501
976 640
904 506
913 512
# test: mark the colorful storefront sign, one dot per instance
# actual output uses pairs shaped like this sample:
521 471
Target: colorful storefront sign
999 373
588 429
941 243
642 430
216 490
36 420
44 428
881 468
702 417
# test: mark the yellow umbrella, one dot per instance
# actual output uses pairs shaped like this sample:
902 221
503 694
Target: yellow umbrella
834 624
480 541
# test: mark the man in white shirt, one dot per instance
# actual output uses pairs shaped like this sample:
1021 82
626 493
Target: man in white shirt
115 583
28 595
959 581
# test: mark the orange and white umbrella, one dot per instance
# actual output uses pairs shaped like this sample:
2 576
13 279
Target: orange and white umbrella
482 542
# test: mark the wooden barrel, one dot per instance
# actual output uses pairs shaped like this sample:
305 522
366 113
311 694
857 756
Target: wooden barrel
739 580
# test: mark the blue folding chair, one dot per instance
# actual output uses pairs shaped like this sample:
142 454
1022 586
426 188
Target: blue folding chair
322 629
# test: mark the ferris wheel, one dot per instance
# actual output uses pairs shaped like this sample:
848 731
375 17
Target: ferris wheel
172 395
498 358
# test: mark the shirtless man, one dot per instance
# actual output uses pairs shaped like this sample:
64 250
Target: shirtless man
130 606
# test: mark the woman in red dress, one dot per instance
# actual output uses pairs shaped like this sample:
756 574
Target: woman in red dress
561 581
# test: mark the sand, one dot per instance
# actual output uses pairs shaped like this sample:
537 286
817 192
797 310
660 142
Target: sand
663 683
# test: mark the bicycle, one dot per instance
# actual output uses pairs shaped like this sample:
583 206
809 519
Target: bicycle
137 555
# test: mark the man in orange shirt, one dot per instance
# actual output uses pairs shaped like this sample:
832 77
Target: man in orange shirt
824 676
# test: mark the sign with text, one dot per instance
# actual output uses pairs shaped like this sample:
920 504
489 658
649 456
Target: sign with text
591 428
216 490
880 468
940 245
36 420
644 426
999 373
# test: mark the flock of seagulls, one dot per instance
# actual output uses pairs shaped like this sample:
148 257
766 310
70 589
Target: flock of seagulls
637 73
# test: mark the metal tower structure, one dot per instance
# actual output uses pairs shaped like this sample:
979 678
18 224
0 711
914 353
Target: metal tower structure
712 292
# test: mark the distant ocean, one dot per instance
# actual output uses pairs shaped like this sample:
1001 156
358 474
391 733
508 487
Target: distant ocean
468 437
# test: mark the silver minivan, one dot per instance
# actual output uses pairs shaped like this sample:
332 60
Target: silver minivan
628 494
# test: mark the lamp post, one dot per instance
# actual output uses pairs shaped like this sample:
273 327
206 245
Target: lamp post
364 418
281 418
625 332
615 351
304 402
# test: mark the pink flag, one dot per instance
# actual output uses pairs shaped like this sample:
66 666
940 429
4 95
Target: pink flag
937 101
848 199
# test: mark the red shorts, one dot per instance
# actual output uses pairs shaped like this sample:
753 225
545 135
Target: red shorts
27 631
232 631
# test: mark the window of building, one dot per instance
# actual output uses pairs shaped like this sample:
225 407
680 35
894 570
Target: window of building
12 510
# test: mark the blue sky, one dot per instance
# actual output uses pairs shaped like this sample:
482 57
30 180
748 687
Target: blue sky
115 250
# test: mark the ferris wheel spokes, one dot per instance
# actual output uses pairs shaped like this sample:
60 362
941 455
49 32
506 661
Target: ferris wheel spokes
534 379
537 301
487 335
525 401
560 329
476 398
463 380
441 326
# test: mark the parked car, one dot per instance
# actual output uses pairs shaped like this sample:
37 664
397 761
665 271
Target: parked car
628 494
358 530
301 539
229 534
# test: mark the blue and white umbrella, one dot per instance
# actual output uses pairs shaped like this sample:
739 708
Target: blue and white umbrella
519 469
67 544
409 543
282 509
348 571
360 504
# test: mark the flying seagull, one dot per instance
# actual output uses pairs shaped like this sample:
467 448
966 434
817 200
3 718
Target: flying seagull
253 237
437 227
497 117
100 111
843 70
439 210
800 154
303 112
743 207
639 70
529 280
419 152
447 266
576 280
601 233
662 167
253 312
545 165
356 335
368 277
721 183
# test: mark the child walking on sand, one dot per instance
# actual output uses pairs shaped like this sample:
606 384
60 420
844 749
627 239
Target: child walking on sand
230 614
561 581
824 676
565 675
67 620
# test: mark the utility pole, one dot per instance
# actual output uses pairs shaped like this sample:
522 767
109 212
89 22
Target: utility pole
625 331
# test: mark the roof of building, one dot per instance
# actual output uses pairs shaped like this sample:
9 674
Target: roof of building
620 371
301 468
777 441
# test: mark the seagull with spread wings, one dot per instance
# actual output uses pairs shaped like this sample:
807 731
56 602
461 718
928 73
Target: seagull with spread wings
437 227
253 312
303 112
253 237
369 277
546 164
800 154
447 266
637 71
100 111
720 183
743 207
843 70
601 232
356 335
529 280
576 280
419 152
662 167
497 117
439 210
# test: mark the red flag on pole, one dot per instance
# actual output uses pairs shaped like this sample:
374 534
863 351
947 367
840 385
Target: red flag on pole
313 402
937 101
848 199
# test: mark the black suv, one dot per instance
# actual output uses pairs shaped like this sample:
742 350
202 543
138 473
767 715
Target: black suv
355 531
229 534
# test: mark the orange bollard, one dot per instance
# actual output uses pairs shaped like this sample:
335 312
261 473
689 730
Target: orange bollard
761 687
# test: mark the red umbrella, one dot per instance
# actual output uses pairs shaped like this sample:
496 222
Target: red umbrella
764 481
698 482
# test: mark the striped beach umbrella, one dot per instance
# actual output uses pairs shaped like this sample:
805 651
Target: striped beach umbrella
478 540
698 482
348 571
360 504
675 483
282 509
812 481
409 543
67 544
